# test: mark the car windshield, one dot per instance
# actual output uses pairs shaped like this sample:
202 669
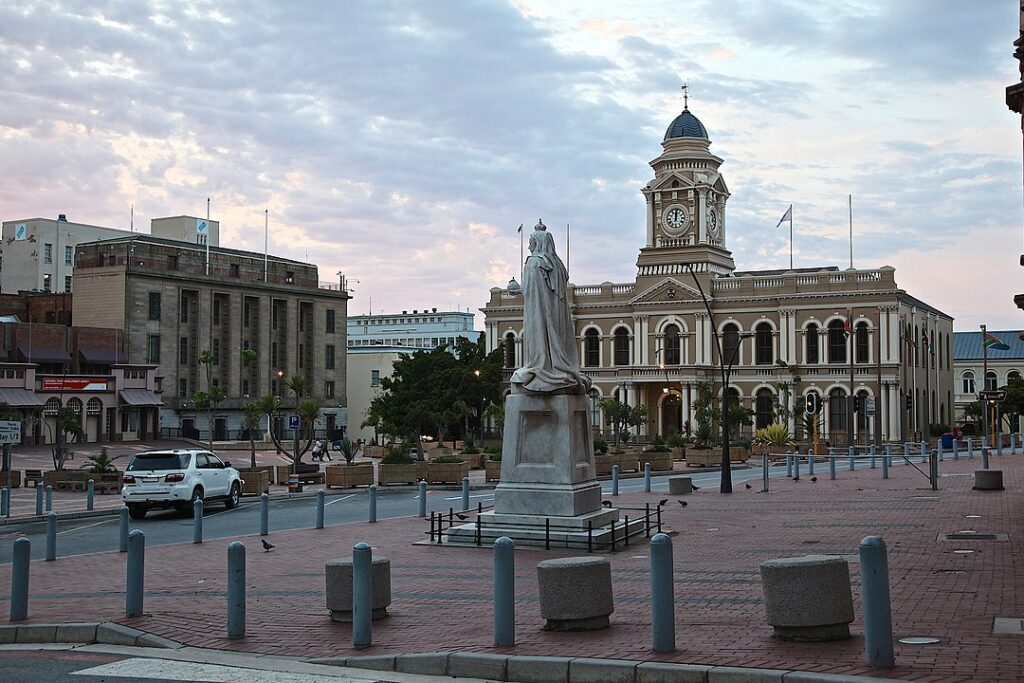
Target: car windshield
160 461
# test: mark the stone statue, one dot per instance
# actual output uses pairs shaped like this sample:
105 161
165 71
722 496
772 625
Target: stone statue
551 359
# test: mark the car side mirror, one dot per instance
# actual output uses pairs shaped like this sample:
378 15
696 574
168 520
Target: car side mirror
227 463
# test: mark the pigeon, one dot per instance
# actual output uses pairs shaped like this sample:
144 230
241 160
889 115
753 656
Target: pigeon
814 479
267 546
796 478
462 517
748 486
682 503
695 487
606 503
662 502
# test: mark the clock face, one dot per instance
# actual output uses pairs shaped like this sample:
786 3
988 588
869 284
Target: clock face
712 221
675 219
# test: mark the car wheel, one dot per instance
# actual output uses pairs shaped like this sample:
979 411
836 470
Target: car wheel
232 500
137 510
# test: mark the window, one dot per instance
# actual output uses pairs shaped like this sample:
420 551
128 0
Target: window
216 311
620 346
967 383
273 316
184 310
861 418
47 253
182 387
990 380
730 344
672 355
764 353
246 306
215 351
67 283
69 253
245 387
153 348
172 262
861 343
510 350
811 344
289 276
837 408
154 305
836 343
183 351
1012 375
302 355
235 270
763 408
201 239
329 357
273 354
329 321
592 348
328 389
374 378
47 287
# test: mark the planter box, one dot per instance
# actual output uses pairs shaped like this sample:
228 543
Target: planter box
604 462
475 460
703 457
373 451
13 480
255 482
492 470
775 452
679 453
660 462
307 472
629 461
447 472
401 474
738 453
347 476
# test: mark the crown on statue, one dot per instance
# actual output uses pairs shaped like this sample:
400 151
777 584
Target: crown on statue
540 225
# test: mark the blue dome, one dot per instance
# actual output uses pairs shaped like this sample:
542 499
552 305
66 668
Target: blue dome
686 125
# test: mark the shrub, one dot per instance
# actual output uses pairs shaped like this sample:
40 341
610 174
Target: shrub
448 459
396 455
600 445
470 450
937 429
776 434
675 441
657 446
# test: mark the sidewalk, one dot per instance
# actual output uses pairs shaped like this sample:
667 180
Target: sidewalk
442 595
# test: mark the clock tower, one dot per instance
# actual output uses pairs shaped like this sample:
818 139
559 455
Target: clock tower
686 212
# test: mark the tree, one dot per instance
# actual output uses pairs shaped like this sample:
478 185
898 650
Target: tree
622 417
253 413
269 406
67 424
1013 406
209 399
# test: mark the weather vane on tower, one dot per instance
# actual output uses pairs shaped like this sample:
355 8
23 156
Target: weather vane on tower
686 96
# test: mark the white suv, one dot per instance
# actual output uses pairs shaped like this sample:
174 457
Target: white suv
161 479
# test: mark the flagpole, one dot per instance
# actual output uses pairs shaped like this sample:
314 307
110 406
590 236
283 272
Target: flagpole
984 383
522 265
851 398
851 230
207 235
791 237
567 247
266 240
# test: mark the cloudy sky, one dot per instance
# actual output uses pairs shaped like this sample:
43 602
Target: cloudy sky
402 143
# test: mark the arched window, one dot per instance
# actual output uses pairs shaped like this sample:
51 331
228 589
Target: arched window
730 344
836 342
621 346
861 342
862 413
591 348
510 350
94 406
764 415
837 409
75 404
671 352
52 406
1011 375
764 353
917 346
990 380
811 344
595 408
967 383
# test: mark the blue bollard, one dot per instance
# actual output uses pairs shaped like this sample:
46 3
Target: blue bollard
999 444
264 514
122 531
663 613
49 498
19 579
90 494
871 452
39 499
51 536
796 464
885 465
810 461
504 592
5 501
465 493
831 464
236 589
320 509
888 454
970 448
906 451
197 521
362 593
852 452
940 451
789 464
615 480
136 574
647 477
373 504
923 448
423 498
956 449
874 581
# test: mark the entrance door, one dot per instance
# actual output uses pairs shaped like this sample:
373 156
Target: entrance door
220 429
671 415
188 428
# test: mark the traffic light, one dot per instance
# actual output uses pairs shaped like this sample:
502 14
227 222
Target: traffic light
910 401
809 404
856 403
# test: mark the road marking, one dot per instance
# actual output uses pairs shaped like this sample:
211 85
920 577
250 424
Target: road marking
473 495
338 500
88 526
175 670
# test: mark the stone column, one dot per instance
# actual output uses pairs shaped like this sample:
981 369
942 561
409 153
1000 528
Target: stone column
645 330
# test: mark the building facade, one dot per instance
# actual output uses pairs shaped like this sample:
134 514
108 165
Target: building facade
418 330
836 333
975 369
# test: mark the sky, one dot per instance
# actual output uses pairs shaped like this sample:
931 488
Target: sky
402 143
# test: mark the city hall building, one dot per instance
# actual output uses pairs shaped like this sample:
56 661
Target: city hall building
788 333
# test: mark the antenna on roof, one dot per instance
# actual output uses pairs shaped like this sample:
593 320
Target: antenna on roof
686 96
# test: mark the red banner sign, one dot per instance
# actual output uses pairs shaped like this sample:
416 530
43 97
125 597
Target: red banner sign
74 384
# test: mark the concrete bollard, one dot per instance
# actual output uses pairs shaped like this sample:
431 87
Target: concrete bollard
90 494
999 444
362 596
236 589
874 581
970 448
19 578
197 521
5 501
831 464
885 466
984 456
39 499
136 574
871 452
796 464
647 477
423 498
504 592
615 480
810 461
789 464
122 529
852 453
320 509
924 451
264 514
49 498
1013 443
941 453
663 614
465 493
372 517
956 449
51 536
888 454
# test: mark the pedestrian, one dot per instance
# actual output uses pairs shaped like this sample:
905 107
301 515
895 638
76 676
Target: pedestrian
318 451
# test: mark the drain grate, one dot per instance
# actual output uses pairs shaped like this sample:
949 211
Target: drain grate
919 640
948 571
968 535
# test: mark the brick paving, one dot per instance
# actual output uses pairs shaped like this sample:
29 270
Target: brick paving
442 599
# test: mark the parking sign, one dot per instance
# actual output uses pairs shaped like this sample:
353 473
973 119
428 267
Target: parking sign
293 422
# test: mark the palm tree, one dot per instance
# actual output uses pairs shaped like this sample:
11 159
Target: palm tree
309 412
269 406
253 414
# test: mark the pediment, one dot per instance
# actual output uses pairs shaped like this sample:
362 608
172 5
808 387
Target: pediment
668 291
665 183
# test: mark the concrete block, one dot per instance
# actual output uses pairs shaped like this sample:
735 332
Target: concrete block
373 662
150 640
8 634
330 661
532 669
575 593
808 598
988 480
37 633
678 485
478 665
735 674
811 677
116 634
586 670
424 663
663 672
338 575
76 633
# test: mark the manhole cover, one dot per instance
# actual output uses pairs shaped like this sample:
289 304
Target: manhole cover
919 640
810 542
969 535
963 552
948 571
924 498
973 516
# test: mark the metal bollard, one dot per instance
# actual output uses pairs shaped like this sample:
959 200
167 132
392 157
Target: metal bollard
970 448
984 456
90 494
320 509
615 480
236 590
871 452
906 451
831 464
51 536
19 579
423 498
764 473
789 464
136 574
885 464
39 499
465 493
956 449
197 521
264 514
647 477
999 444
122 531
874 581
810 461
663 614
933 469
5 501
362 594
1013 443
504 592
796 464
373 504
940 452
888 454
852 452
924 451
49 497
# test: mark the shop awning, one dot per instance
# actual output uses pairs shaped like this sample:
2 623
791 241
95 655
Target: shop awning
139 397
44 354
19 398
102 356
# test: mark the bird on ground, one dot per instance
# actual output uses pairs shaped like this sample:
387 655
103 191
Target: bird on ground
814 479
606 503
748 486
662 502
695 487
796 478
462 517
267 546
681 503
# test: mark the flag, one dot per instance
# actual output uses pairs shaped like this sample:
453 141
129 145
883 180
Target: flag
926 344
520 228
847 330
995 343
788 216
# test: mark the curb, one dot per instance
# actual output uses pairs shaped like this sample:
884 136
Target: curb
88 633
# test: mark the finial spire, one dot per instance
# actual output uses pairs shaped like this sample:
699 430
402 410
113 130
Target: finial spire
686 96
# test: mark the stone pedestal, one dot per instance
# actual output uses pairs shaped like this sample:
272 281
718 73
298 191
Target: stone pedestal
339 588
988 480
680 485
808 598
575 593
